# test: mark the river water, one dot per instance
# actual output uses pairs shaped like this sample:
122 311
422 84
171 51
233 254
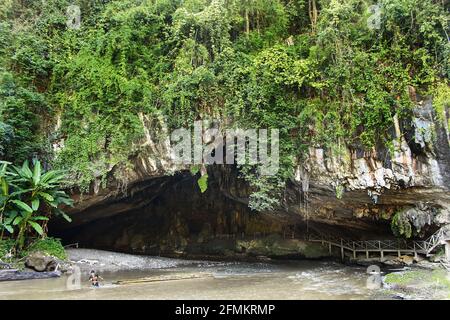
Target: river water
216 280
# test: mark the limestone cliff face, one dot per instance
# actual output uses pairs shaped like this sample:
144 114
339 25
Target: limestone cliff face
413 177
156 207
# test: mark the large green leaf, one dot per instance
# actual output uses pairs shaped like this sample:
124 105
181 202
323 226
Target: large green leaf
65 216
203 182
40 218
8 228
53 204
35 204
4 186
52 177
17 220
59 212
22 205
37 173
3 168
25 171
62 197
36 227
67 201
46 196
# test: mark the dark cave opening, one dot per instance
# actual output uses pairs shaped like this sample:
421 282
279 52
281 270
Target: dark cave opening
169 214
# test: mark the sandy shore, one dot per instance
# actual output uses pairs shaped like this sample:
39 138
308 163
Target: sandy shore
100 260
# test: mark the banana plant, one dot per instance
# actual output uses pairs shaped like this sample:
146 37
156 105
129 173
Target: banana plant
36 197
27 218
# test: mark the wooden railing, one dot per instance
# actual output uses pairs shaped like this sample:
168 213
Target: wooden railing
435 240
399 246
425 247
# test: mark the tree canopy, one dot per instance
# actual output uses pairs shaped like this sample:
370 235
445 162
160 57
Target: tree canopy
315 69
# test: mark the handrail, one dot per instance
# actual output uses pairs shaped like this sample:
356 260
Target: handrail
72 245
419 246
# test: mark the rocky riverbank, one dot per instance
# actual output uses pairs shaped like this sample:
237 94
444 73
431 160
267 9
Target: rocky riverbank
418 284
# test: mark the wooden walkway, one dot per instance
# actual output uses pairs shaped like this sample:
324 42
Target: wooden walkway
399 247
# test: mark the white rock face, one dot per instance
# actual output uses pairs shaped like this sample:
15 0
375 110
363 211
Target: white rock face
412 177
405 169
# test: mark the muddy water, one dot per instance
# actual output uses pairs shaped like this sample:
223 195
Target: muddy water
217 280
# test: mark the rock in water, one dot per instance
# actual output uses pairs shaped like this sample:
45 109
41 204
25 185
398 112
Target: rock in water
14 275
40 261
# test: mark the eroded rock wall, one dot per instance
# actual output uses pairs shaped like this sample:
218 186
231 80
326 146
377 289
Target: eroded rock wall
155 206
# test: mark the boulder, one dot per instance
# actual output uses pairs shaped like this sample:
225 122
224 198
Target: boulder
14 275
41 261
406 260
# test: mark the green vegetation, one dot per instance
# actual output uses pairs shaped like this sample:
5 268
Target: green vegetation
433 285
400 226
6 246
404 278
315 69
340 191
441 100
29 197
49 245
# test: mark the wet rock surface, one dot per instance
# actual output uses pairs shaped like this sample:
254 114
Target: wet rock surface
40 261
14 275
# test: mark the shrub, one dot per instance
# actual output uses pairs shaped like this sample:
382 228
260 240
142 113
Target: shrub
51 246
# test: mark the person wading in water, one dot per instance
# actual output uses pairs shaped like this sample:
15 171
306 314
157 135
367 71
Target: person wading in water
94 278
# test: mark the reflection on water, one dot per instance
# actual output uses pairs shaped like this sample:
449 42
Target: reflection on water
228 280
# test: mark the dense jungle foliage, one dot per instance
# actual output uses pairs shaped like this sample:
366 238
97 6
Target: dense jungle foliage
324 72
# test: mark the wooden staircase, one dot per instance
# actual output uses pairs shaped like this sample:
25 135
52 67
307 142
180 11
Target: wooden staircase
400 247
434 241
446 265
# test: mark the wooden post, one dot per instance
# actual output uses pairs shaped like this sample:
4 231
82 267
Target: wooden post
367 252
342 250
381 251
415 252
329 248
447 250
354 251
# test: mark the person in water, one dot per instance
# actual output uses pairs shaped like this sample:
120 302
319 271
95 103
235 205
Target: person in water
94 278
